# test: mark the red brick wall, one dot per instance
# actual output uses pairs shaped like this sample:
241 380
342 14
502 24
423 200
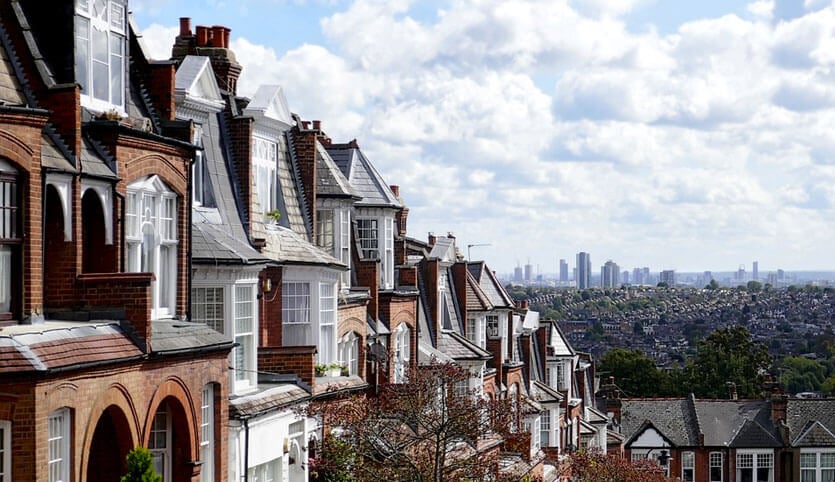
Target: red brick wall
113 290
298 360
270 311
305 144
162 89
240 132
399 310
135 389
368 275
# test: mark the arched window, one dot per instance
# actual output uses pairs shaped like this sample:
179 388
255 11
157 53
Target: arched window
10 240
349 352
151 238
402 346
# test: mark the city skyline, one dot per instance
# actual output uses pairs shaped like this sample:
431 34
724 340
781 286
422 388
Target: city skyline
708 122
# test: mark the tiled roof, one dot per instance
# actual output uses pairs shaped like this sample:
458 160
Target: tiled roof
93 162
814 435
476 299
10 89
54 345
331 181
212 243
51 155
545 394
428 353
801 412
169 336
490 285
364 178
272 398
724 421
460 348
288 247
293 214
672 417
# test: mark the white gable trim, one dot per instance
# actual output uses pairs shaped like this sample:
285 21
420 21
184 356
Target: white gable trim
63 186
196 87
649 438
269 107
105 193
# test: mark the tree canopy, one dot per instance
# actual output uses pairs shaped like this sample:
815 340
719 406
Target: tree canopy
595 466
635 373
728 356
426 430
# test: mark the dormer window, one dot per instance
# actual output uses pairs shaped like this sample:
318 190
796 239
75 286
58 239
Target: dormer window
264 161
100 51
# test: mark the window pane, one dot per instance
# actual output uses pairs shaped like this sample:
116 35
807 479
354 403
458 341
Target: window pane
5 279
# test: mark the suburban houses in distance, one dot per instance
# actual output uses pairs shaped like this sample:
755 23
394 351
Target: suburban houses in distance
186 269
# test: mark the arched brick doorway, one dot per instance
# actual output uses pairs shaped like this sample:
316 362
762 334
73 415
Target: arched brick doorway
170 441
111 444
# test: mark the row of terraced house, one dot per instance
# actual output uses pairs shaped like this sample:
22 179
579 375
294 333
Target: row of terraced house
181 267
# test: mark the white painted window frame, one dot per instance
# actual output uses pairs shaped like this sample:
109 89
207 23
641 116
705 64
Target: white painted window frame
113 23
59 442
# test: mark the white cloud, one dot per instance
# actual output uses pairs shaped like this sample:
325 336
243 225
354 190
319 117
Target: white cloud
762 8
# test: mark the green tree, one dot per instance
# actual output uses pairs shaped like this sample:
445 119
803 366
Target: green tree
754 286
635 373
140 467
713 285
728 355
798 374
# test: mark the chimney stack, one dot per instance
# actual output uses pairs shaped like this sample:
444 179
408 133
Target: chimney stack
185 27
396 190
432 239
317 125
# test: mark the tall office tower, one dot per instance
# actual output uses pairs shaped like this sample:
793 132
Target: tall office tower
668 276
610 275
574 275
517 274
772 279
529 272
624 277
740 273
708 276
583 270
781 275
563 271
755 275
637 276
645 276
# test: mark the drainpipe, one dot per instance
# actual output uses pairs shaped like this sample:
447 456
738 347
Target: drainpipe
246 449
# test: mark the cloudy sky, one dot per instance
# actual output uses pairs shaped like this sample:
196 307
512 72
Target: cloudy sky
687 135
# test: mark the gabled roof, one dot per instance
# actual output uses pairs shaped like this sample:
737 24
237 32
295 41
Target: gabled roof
814 435
673 418
476 299
288 247
643 428
723 422
802 412
174 336
444 249
557 344
195 84
428 353
754 435
363 176
215 244
490 285
269 105
331 182
545 394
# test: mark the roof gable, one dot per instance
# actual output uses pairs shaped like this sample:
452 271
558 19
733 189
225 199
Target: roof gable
195 85
814 435
648 435
752 434
270 104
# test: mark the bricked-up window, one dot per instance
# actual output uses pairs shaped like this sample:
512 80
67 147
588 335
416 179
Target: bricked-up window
207 434
100 47
264 159
207 307
688 467
58 443
10 240
402 345
349 352
151 238
716 460
160 442
5 451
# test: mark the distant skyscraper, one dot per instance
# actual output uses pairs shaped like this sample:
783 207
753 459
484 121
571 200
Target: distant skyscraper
624 277
610 275
637 276
645 276
740 273
708 276
755 271
668 276
517 274
781 275
563 271
528 272
583 270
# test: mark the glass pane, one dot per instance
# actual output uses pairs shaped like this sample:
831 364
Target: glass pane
116 70
5 279
82 53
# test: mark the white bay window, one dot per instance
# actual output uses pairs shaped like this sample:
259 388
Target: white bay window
264 162
308 312
333 235
376 239
755 465
151 238
402 352
817 465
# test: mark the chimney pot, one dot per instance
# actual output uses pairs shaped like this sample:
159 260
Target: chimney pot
217 36
317 124
227 33
395 189
431 239
305 125
185 27
202 36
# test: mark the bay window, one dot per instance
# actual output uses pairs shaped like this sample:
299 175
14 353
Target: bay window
475 331
376 238
308 313
817 466
368 235
324 230
10 240
755 466
493 326
100 48
245 335
333 235
151 238
545 428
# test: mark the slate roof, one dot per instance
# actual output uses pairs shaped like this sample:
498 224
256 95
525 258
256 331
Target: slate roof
331 182
293 211
800 415
289 247
283 395
459 348
10 90
673 418
363 176
52 345
476 299
427 353
94 161
490 285
556 340
736 423
545 394
52 156
173 336
814 435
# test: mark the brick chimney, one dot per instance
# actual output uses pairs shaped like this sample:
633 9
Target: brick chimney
431 239
211 42
306 155
779 402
